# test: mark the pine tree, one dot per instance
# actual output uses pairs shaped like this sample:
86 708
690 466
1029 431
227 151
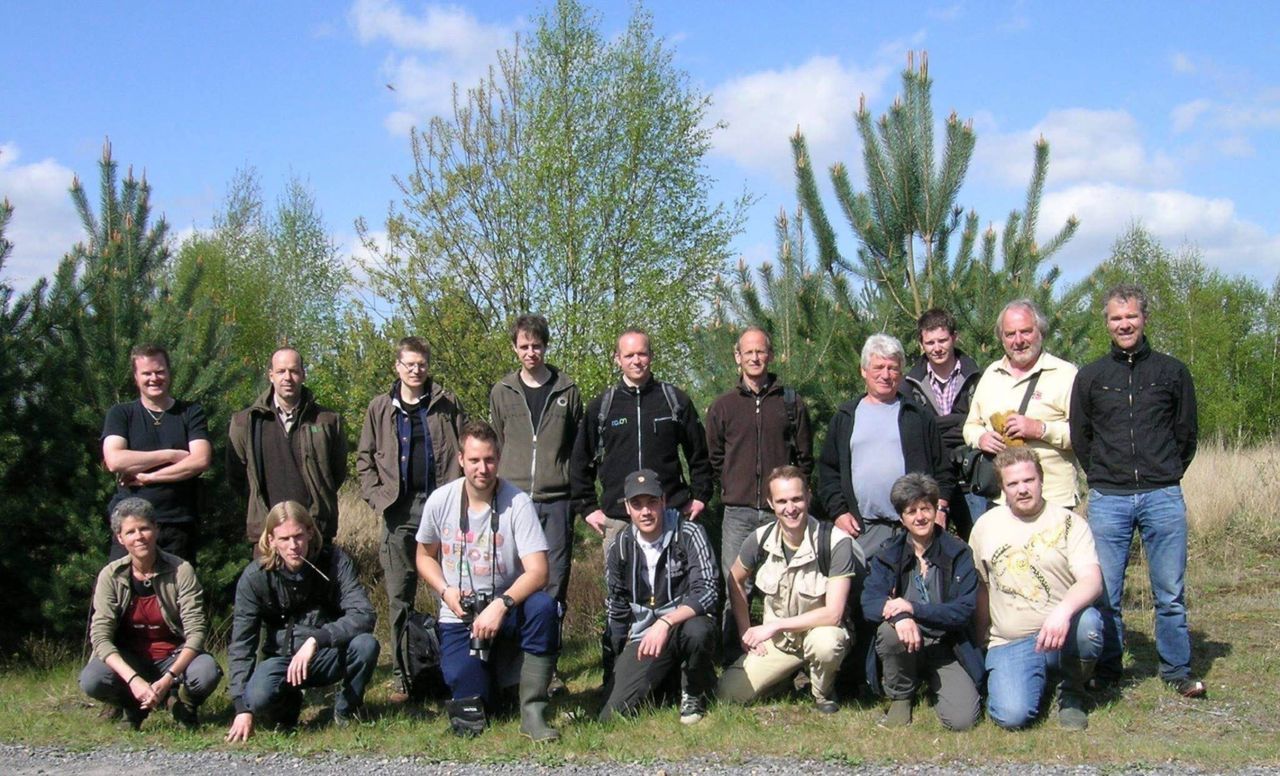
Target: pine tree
72 336
907 218
809 317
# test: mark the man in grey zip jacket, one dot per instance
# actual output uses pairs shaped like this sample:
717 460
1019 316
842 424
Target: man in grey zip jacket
408 447
536 411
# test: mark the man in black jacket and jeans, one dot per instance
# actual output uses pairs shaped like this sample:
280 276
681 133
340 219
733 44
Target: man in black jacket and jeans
317 620
1133 428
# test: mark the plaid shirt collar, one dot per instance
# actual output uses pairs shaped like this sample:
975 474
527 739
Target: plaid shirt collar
945 389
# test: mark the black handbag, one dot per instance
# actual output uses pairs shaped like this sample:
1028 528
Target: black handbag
977 469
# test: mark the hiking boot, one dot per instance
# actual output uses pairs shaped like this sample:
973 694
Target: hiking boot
826 706
346 718
898 714
1071 694
134 717
692 708
183 710
467 718
535 678
1189 688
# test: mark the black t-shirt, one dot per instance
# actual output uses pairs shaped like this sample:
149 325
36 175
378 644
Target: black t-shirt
418 476
536 398
184 422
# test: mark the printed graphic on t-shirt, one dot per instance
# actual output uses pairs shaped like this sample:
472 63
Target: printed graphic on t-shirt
471 555
1017 570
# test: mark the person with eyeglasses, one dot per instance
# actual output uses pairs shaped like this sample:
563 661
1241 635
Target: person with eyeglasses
409 446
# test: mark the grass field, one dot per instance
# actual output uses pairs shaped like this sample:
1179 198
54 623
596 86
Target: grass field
1233 578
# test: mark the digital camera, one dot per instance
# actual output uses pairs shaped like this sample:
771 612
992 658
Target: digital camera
473 603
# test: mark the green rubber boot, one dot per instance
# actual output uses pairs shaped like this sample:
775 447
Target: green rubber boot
535 677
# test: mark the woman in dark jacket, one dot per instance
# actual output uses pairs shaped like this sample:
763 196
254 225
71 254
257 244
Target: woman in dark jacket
922 590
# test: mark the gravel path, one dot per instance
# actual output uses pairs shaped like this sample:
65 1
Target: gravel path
16 760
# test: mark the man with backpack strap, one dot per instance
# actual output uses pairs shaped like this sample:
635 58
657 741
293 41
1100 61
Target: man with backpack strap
752 429
806 570
640 423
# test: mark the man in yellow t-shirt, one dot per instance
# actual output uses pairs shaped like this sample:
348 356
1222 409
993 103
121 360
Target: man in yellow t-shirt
1038 577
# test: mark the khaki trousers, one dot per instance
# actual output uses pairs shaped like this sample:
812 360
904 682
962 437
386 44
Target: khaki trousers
822 649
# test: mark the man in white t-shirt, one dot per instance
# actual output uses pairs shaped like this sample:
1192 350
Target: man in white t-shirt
482 550
1038 576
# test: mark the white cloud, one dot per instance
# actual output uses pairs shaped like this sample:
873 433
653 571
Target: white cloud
1181 63
1106 210
431 51
763 110
1187 114
1084 144
44 224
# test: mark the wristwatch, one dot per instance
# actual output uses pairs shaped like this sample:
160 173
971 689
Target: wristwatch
508 601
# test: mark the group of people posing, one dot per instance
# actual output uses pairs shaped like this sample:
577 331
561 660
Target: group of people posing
899 570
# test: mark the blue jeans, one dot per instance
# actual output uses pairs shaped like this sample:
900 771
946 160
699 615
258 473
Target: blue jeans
534 624
353 665
1017 673
1161 518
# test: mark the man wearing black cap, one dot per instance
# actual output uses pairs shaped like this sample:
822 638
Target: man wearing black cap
661 604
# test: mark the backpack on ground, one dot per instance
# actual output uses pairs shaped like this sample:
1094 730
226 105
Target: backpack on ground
420 646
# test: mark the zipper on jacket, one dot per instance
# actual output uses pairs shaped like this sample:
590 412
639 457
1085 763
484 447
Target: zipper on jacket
759 456
1133 441
639 434
533 462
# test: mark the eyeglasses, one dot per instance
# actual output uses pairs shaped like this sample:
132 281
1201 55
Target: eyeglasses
417 366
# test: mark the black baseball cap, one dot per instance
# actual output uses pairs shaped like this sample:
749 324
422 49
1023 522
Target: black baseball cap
642 483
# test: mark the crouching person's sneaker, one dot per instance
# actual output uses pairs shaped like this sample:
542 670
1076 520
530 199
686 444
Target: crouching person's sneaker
692 708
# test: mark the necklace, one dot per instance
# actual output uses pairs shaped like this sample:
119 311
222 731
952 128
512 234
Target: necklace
144 577
155 419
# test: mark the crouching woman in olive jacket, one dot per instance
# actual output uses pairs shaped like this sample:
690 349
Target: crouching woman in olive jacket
148 627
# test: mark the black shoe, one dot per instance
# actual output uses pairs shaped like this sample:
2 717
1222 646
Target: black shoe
827 706
345 718
692 709
1189 688
134 717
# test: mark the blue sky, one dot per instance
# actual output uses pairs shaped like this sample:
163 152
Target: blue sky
1166 113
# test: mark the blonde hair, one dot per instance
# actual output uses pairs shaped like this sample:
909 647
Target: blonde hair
279 515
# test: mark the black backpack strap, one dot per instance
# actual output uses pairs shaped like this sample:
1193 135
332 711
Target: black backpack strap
824 547
760 553
789 402
673 401
606 404
1026 397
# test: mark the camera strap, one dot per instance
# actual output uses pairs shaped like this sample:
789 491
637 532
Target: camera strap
464 527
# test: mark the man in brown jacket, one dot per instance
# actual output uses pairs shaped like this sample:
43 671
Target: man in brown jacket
286 447
751 429
408 447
